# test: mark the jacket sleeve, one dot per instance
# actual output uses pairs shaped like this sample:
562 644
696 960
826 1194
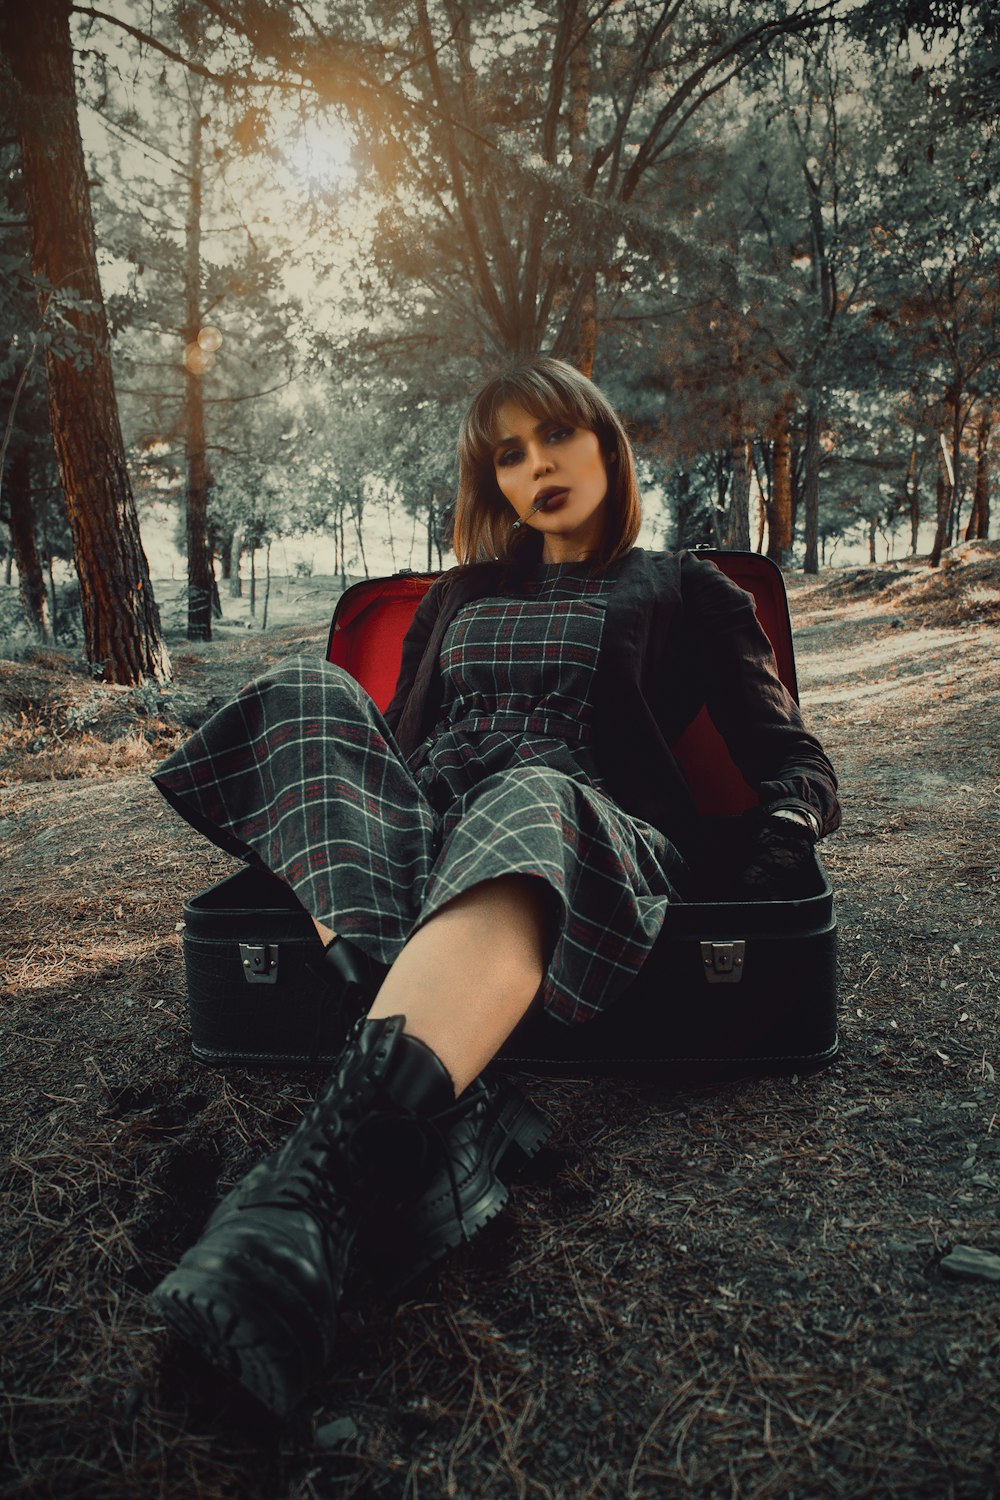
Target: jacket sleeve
748 703
414 646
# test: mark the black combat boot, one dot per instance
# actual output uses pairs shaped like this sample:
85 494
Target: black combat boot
491 1134
356 977
258 1294
385 1152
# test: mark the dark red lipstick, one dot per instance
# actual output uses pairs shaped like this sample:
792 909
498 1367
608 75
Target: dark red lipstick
551 499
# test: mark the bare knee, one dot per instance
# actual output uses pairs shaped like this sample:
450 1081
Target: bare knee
512 904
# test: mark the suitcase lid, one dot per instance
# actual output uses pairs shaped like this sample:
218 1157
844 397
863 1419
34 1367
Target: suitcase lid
369 623
372 617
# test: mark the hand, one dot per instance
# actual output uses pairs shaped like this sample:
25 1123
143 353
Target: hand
780 863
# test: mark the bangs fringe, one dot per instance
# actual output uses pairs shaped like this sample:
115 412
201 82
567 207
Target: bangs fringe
550 390
527 387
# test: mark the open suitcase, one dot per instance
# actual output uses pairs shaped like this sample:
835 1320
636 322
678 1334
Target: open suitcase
731 988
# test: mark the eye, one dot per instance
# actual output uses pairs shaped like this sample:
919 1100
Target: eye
508 458
560 434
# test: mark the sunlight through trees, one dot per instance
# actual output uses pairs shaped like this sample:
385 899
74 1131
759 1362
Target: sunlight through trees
770 232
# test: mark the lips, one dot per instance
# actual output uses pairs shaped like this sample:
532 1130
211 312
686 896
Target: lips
551 498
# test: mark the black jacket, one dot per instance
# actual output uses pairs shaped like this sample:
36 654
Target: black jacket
678 634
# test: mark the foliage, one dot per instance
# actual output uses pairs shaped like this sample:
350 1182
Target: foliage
728 211
26 331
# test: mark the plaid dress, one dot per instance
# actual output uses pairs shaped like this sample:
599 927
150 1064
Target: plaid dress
301 772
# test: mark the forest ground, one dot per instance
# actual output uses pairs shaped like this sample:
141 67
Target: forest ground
740 1290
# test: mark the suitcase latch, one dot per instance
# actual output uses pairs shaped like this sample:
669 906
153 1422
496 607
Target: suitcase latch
723 962
260 962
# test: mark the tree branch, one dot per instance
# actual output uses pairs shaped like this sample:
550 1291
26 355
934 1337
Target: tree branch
226 80
486 287
739 47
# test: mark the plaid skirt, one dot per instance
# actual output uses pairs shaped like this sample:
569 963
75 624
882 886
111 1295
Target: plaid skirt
301 772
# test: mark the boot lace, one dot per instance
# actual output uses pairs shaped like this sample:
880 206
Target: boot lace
333 1164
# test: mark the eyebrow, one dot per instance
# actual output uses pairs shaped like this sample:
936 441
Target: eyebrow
505 442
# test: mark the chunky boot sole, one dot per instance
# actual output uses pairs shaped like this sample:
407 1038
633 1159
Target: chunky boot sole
258 1295
397 1251
232 1327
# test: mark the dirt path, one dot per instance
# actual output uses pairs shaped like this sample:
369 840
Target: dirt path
727 1291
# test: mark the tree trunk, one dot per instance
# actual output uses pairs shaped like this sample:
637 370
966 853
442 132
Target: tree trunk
586 349
683 513
779 507
759 473
235 558
810 491
824 281
120 619
54 602
199 556
390 536
943 492
342 547
226 555
356 514
945 505
585 293
912 492
23 543
719 511
267 585
200 577
738 523
979 521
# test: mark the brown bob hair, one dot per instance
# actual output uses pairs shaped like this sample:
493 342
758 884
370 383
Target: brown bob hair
550 390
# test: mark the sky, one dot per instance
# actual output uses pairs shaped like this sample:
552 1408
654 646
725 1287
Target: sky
311 188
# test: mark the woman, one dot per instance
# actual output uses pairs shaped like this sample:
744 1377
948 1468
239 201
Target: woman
511 832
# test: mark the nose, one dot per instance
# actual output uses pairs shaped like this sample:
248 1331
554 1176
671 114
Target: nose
541 462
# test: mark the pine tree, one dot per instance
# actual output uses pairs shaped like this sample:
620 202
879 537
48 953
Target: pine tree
121 622
205 331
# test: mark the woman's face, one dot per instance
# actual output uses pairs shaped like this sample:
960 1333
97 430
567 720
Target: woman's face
536 459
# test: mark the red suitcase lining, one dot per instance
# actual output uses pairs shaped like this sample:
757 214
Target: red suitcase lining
372 617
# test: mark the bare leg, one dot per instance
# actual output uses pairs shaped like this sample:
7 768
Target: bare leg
466 978
259 1294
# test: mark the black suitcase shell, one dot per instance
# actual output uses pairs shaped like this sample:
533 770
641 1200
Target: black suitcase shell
730 989
258 990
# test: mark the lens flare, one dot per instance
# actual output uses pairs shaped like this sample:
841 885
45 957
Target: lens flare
210 338
198 360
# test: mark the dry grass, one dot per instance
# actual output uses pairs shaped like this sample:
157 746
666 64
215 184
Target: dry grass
961 591
727 1291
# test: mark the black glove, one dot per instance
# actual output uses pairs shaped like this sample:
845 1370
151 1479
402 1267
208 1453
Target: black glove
781 863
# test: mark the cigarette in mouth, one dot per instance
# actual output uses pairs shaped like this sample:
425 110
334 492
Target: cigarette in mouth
537 506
